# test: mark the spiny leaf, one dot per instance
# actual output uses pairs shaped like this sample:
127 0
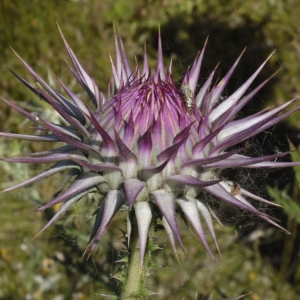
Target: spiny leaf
295 157
291 208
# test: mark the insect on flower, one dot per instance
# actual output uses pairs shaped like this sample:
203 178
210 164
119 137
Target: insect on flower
188 99
235 189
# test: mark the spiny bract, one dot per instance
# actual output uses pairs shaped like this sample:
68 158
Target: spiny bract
151 144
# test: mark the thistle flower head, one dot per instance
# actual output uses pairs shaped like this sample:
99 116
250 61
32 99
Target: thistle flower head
150 145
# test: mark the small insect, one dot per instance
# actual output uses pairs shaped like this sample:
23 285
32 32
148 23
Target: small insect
188 99
235 189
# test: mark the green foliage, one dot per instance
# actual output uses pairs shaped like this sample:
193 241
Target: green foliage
295 154
290 207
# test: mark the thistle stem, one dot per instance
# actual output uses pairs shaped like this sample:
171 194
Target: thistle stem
134 286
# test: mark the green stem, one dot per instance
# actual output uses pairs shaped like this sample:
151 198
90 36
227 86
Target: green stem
133 288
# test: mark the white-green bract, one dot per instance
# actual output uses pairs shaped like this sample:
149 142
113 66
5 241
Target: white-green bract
150 145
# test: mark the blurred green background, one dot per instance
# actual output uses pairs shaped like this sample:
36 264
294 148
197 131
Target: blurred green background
256 257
